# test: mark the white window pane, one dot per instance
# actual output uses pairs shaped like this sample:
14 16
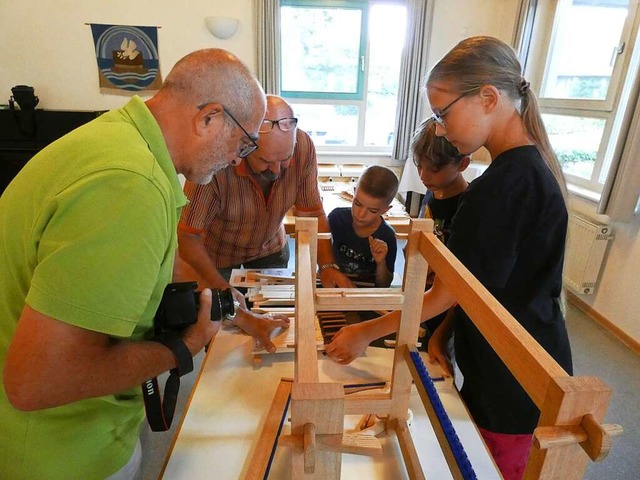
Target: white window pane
320 49
575 141
385 52
328 124
582 56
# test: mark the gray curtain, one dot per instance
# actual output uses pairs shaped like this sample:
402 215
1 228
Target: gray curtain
413 68
268 44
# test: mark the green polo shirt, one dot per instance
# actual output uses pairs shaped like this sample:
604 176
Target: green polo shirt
88 237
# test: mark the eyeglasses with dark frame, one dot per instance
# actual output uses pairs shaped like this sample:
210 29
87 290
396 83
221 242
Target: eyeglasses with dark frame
284 124
439 117
246 149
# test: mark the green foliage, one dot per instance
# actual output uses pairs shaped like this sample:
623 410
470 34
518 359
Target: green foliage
566 157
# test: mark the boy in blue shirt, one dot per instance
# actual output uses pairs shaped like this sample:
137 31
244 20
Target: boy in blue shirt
364 244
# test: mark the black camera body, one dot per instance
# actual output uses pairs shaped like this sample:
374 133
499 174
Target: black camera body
179 306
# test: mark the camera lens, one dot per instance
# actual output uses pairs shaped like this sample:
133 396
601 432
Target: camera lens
221 304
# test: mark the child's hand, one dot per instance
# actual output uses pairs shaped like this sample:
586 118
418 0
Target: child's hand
348 344
379 249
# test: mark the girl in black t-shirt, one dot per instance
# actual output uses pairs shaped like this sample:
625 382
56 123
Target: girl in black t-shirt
509 231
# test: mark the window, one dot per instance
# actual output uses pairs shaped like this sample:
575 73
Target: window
340 70
582 76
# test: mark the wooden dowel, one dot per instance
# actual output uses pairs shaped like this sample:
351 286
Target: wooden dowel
594 437
309 447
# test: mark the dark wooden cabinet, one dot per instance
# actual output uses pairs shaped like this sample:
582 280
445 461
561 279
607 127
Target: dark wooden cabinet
23 133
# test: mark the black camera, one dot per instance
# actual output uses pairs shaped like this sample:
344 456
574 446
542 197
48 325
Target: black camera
179 306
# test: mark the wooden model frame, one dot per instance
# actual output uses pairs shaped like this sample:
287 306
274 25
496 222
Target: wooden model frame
569 430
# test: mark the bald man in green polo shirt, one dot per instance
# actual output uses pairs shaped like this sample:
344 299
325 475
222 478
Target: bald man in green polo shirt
87 246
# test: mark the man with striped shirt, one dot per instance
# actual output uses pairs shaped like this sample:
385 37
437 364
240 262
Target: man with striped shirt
236 220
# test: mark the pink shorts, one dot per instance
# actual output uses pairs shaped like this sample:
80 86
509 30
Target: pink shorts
510 452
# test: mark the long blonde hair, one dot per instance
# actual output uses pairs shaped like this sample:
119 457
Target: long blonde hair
478 61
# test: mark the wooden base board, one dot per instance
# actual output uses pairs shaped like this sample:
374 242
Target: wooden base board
626 339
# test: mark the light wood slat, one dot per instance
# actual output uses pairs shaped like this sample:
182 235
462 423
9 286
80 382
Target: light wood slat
306 365
269 433
408 449
415 278
431 413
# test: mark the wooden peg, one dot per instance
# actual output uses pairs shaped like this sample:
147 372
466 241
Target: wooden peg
309 447
594 438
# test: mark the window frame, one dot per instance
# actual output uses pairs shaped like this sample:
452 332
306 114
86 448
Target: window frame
362 6
538 65
359 100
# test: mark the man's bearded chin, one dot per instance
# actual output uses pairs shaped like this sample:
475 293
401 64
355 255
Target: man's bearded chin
269 175
219 167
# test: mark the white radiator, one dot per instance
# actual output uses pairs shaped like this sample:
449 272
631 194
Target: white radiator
586 247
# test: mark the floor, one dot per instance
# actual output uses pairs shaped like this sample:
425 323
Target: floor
596 353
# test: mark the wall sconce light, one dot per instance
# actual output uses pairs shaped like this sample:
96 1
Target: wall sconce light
222 27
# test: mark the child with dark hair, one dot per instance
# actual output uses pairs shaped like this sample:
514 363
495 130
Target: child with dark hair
440 166
364 244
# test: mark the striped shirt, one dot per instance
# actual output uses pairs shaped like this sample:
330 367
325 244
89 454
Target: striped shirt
238 223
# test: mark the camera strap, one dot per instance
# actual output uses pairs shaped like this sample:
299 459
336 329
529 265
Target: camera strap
160 412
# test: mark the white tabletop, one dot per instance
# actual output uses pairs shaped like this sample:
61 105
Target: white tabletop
230 402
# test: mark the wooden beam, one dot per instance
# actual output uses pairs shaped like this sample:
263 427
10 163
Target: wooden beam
269 434
567 402
415 278
354 299
443 441
408 449
320 404
524 357
306 364
354 444
380 404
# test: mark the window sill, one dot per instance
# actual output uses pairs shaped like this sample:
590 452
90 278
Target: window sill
584 193
366 158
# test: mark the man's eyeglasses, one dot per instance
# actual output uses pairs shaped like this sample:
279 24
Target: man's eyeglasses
247 148
439 117
284 124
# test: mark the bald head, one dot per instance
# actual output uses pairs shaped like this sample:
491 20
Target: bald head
275 147
209 110
215 75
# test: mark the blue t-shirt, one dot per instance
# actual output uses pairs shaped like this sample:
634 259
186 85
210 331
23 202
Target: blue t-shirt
352 253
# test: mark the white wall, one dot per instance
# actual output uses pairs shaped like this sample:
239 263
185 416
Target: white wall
46 44
617 298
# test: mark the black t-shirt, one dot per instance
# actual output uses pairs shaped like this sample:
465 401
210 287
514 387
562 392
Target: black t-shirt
441 211
510 232
352 253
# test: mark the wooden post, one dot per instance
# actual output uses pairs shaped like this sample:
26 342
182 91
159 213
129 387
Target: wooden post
413 288
306 364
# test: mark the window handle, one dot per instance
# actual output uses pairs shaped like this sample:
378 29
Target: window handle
617 50
362 63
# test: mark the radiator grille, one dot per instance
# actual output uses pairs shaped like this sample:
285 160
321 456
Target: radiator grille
586 247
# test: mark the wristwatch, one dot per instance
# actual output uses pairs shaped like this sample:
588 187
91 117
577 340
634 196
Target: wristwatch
229 320
324 266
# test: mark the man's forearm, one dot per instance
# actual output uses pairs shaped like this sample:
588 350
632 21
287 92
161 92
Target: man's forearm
194 253
51 363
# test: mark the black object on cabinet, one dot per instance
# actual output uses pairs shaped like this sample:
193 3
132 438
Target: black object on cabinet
23 133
